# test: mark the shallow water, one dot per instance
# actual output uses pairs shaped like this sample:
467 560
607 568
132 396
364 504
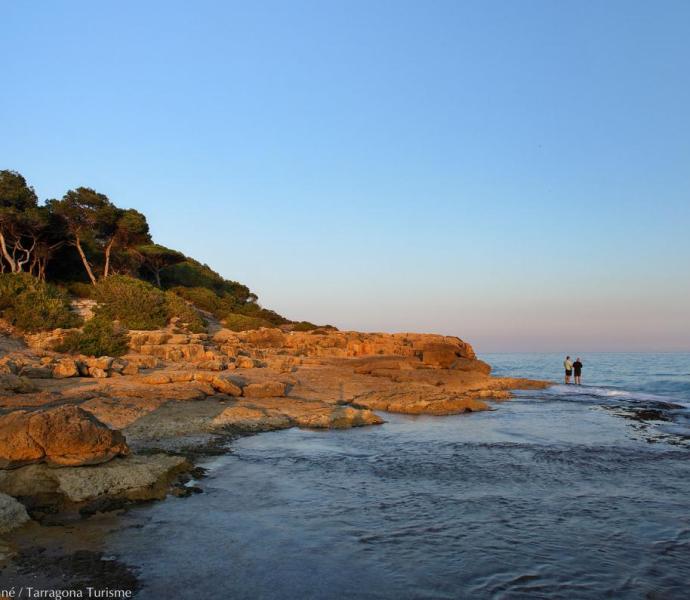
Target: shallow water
556 494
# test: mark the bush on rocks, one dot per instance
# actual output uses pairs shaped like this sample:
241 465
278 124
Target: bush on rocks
139 305
99 337
237 322
134 303
303 326
252 309
33 305
186 314
201 297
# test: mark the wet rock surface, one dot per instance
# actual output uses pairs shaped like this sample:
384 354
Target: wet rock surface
75 572
131 478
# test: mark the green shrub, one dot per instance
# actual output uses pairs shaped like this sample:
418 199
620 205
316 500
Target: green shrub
238 322
188 316
207 290
139 305
81 289
303 326
193 274
99 337
222 305
202 298
134 303
33 305
252 309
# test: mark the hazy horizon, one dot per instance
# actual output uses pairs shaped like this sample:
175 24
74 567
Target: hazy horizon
516 174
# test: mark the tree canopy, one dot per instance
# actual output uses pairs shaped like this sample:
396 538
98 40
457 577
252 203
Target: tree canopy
85 236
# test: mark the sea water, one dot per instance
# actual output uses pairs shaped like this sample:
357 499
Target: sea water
569 492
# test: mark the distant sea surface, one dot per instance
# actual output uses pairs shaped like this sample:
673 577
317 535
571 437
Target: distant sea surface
569 492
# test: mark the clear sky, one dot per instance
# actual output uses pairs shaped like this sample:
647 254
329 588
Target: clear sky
515 173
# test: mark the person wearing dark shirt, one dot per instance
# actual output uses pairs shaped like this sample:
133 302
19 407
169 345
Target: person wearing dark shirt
577 367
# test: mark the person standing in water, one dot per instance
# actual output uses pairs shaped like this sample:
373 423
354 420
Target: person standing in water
577 366
568 369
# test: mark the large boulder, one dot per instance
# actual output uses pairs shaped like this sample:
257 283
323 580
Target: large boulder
133 478
66 367
62 436
17 447
12 514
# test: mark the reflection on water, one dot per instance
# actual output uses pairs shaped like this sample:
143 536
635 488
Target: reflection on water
556 494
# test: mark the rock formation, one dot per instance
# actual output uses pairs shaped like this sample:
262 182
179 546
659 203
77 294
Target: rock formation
74 411
62 436
12 513
131 478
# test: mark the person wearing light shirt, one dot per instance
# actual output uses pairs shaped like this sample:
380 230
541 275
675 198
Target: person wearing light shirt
567 363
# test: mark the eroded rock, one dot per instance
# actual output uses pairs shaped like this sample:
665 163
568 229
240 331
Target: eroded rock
225 385
270 414
133 477
416 400
12 514
62 436
66 367
17 447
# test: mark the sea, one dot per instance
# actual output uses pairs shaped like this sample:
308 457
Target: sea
568 492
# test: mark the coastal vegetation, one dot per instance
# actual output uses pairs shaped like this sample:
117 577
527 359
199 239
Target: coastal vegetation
85 246
99 337
33 305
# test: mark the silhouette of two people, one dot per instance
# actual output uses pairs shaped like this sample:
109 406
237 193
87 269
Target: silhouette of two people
573 368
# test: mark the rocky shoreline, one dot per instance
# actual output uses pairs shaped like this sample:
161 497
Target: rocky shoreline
84 435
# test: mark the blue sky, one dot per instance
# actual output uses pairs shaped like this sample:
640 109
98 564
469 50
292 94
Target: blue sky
515 173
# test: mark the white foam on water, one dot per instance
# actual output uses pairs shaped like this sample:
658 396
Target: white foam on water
612 393
588 390
674 429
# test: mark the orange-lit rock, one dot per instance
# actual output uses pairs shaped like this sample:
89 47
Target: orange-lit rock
62 436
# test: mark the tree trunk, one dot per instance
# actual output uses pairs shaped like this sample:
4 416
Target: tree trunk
108 248
87 266
27 254
6 254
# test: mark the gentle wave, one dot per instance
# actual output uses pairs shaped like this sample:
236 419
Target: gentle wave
603 392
